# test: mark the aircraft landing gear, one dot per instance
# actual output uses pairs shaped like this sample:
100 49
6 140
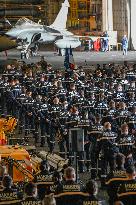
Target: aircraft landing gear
61 52
33 53
34 50
25 54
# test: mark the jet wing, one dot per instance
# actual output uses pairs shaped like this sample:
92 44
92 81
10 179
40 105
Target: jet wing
94 38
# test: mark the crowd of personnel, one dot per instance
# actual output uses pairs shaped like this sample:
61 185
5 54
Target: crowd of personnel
59 188
50 187
50 103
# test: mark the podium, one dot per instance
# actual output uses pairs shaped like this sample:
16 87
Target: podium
76 144
76 140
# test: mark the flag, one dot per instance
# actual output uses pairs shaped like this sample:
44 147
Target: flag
71 60
66 60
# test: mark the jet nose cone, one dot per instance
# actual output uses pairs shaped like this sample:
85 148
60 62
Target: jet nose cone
10 33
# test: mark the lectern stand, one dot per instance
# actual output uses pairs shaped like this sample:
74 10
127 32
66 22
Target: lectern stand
76 144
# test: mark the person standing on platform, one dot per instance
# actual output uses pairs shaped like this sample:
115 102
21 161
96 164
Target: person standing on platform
106 41
124 44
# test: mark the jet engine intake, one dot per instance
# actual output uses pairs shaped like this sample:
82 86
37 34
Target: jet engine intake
36 37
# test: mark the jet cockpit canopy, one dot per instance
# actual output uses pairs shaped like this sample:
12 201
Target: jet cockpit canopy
24 21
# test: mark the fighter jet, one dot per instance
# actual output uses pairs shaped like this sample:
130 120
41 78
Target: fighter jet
6 43
31 33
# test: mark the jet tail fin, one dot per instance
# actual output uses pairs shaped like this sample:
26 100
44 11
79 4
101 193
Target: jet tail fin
61 19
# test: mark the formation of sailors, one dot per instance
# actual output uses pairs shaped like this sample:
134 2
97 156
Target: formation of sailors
50 102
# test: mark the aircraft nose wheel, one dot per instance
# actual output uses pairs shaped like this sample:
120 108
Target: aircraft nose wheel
33 53
25 54
34 50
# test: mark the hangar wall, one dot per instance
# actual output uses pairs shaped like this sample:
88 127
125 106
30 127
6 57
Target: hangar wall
120 17
133 24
